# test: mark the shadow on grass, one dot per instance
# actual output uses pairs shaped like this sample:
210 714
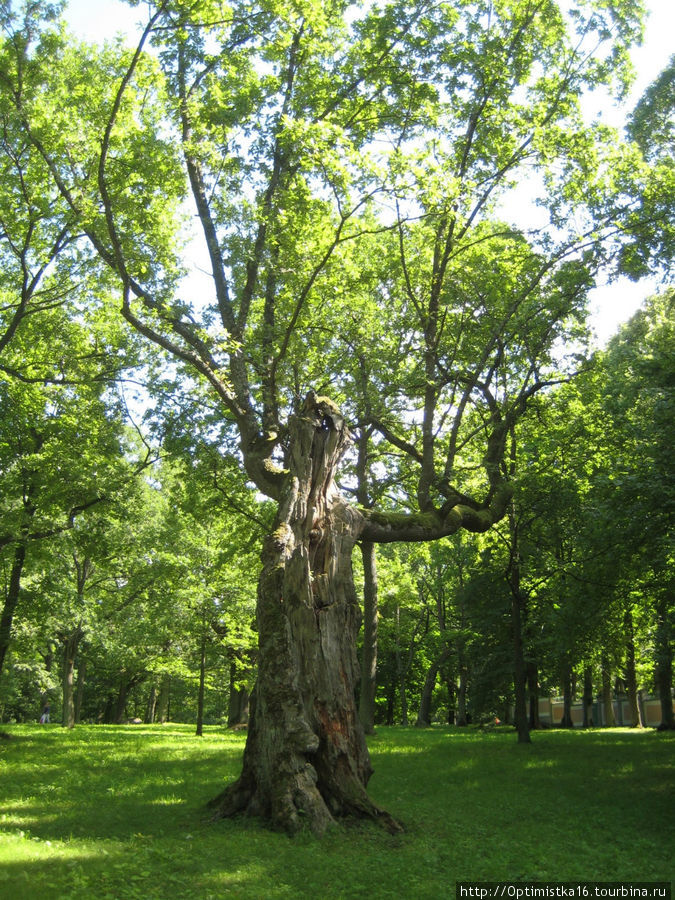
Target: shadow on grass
156 869
574 784
120 813
110 783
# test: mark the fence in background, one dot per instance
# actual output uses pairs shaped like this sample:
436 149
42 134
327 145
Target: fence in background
551 711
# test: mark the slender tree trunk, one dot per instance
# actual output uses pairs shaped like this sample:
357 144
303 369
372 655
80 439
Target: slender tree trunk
401 672
11 599
70 648
202 680
424 714
631 674
238 704
607 701
664 662
68 712
369 662
391 703
163 701
566 721
121 702
461 717
370 598
403 694
306 760
588 697
521 720
151 706
107 714
532 676
452 699
83 569
79 693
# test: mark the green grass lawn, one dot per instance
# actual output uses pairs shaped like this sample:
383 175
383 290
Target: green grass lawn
118 812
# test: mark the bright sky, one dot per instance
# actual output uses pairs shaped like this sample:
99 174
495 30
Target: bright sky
610 305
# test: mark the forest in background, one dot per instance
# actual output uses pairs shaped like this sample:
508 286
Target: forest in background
136 581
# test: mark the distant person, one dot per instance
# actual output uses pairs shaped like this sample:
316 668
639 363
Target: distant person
44 718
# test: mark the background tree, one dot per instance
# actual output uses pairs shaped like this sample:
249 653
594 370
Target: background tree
652 129
638 402
62 454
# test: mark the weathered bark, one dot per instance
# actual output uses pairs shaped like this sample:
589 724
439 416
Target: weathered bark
369 660
424 714
631 674
306 760
607 701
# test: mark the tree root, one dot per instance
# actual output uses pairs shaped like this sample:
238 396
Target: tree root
299 805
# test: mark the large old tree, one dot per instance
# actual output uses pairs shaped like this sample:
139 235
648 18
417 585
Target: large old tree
344 165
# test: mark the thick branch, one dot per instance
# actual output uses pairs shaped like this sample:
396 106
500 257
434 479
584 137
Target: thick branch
388 527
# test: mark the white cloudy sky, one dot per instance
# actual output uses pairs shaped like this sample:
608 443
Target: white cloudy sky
610 305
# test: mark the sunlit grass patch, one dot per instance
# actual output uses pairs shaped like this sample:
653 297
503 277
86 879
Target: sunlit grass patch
105 812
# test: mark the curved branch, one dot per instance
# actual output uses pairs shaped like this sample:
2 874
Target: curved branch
387 527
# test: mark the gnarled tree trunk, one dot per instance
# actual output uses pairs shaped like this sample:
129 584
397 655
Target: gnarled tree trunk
306 760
